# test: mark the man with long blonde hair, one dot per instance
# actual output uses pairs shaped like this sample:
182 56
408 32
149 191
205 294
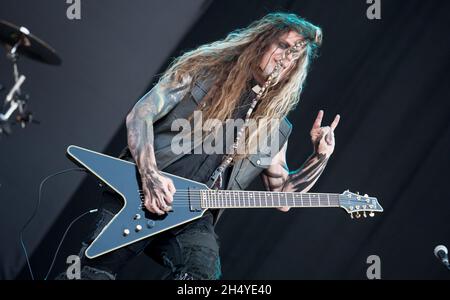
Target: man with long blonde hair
255 73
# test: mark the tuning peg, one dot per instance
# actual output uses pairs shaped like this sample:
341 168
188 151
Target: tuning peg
358 215
351 216
364 214
371 214
365 195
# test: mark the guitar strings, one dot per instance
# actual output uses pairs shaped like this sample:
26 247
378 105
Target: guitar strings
231 196
195 197
186 198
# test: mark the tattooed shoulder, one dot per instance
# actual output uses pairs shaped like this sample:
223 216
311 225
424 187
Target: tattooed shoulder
161 99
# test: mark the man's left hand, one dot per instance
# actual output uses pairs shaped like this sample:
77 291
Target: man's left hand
323 137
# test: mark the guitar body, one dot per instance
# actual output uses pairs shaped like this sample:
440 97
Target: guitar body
134 222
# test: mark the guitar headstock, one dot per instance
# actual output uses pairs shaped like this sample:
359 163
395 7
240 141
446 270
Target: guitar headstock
359 205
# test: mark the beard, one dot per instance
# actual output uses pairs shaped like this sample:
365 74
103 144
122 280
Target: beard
261 74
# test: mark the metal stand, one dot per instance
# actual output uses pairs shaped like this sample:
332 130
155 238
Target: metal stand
15 100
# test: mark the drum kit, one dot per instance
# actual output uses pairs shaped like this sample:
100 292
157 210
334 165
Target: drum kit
18 41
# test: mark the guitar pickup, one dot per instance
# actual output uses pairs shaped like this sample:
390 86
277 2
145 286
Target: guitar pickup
194 197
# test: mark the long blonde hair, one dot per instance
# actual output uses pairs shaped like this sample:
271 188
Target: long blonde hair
232 61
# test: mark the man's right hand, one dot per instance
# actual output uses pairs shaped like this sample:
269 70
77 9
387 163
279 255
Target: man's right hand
158 191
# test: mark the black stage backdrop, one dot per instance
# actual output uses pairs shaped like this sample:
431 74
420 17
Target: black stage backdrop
388 78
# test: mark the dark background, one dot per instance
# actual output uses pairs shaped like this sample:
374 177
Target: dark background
388 78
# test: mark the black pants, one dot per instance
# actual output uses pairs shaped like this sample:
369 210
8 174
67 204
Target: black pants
190 251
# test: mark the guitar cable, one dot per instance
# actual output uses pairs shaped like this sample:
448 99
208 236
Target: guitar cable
33 215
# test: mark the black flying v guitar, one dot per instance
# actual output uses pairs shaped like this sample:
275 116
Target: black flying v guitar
191 199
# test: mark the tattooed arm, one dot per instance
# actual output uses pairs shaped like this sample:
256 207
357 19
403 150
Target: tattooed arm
278 177
158 189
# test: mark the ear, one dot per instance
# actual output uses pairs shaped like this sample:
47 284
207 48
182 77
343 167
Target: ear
318 37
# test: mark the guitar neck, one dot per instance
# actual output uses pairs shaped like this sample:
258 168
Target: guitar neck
264 199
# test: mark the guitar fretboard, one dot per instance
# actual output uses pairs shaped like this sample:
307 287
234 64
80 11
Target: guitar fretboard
250 199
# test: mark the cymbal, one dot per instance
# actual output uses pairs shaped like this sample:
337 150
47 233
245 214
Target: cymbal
30 46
